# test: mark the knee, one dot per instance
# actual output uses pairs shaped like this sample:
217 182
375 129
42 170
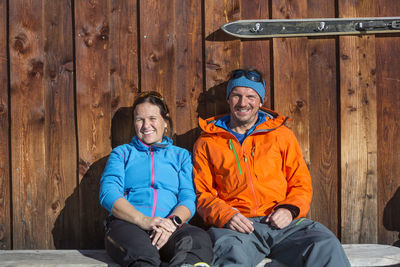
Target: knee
199 238
326 243
131 255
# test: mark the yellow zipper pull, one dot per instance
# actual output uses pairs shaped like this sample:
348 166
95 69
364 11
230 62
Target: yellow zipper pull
245 158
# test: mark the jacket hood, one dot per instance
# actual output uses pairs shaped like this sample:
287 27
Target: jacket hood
274 120
141 146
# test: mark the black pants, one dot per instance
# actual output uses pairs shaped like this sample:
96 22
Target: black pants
129 245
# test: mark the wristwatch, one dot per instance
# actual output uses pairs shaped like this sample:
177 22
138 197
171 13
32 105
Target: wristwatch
176 220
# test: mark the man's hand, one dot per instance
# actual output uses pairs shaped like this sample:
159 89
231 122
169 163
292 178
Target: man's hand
240 223
280 218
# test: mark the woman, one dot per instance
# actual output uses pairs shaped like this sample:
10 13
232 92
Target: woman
147 187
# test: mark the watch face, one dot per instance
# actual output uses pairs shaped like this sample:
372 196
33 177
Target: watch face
177 220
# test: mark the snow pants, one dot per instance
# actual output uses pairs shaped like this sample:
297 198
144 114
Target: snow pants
129 245
302 243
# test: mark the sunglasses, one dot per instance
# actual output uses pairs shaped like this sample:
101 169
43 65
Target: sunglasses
149 93
251 75
154 94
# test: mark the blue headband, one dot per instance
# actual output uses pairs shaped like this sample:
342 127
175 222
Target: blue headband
244 82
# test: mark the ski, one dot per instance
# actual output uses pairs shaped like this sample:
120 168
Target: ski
271 28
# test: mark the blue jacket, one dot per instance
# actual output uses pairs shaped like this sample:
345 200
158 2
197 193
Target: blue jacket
154 179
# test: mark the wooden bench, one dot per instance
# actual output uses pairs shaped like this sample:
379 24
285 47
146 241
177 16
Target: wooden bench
360 255
55 258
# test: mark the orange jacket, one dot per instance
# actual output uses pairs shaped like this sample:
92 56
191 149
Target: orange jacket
266 171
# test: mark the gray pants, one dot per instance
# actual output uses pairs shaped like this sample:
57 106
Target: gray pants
302 243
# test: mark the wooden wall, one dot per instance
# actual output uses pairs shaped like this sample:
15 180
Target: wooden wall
69 71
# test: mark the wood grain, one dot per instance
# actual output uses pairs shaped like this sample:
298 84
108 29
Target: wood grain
222 55
158 43
5 205
28 111
188 70
388 99
358 126
124 68
43 134
157 49
93 103
123 43
60 131
323 125
291 74
341 93
257 53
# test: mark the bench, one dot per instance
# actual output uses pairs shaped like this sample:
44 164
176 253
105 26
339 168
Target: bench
55 258
360 255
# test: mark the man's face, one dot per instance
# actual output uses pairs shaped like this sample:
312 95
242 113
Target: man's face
244 104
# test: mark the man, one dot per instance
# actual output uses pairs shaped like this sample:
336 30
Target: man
254 187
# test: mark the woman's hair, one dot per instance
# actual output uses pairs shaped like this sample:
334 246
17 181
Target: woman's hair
154 98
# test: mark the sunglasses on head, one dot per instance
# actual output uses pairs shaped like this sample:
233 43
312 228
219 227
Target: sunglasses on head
154 94
251 75
149 93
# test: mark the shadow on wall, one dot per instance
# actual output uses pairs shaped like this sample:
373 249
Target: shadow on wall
210 103
80 223
391 218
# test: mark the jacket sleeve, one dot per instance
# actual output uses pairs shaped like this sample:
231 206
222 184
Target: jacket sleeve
212 209
299 188
186 194
112 180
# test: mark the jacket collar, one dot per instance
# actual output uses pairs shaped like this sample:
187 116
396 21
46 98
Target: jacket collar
273 121
140 145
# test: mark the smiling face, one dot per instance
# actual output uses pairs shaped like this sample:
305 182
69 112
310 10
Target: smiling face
244 104
149 124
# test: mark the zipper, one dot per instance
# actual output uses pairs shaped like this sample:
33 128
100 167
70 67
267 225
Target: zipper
248 176
152 182
251 184
231 147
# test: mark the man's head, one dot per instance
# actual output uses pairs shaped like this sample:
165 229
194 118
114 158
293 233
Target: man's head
245 95
251 78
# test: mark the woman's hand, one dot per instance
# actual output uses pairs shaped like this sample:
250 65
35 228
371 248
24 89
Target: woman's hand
159 237
151 223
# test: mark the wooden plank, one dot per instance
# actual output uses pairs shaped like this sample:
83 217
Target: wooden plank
5 219
124 53
157 49
358 129
291 81
372 255
257 53
188 71
92 33
60 132
171 56
323 126
27 125
222 55
124 68
67 258
388 99
42 129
